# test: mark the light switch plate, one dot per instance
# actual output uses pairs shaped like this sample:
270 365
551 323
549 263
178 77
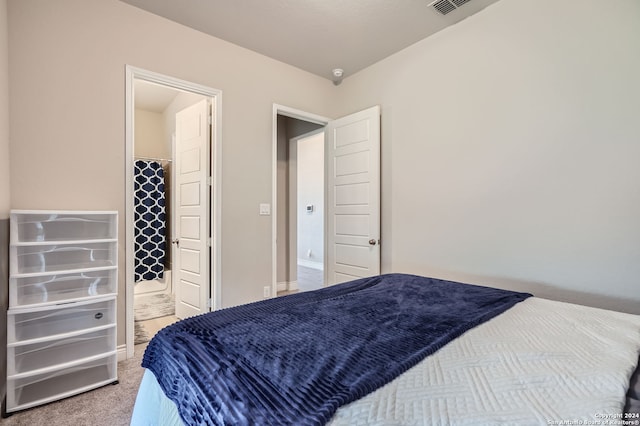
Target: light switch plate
265 209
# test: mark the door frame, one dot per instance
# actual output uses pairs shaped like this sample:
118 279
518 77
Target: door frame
300 115
132 74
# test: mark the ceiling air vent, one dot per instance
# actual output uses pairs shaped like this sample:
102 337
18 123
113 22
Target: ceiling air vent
445 6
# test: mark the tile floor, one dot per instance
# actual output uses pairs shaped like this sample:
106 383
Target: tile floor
308 279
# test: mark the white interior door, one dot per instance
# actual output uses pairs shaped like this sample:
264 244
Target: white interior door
353 196
193 137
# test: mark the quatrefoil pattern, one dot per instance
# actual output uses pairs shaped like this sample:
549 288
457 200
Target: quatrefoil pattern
150 220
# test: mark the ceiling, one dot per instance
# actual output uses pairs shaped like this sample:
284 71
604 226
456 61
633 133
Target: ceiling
315 35
153 97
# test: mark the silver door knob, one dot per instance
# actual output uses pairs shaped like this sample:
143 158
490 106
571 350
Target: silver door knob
176 242
372 242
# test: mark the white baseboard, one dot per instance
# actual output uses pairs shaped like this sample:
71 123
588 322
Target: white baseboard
287 285
122 352
310 264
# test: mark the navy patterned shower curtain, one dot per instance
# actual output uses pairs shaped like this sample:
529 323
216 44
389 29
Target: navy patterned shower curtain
150 220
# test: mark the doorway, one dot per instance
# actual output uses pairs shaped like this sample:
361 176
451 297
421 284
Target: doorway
292 128
351 192
159 110
306 212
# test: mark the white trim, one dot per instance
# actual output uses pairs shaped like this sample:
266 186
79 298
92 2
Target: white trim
311 264
287 286
122 352
133 73
300 115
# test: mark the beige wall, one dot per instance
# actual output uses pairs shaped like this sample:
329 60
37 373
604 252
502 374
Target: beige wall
4 192
149 135
510 150
67 69
4 112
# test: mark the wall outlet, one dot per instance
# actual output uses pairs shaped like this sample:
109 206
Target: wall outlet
267 291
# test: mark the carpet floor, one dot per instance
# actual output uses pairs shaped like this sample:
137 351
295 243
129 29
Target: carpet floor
110 405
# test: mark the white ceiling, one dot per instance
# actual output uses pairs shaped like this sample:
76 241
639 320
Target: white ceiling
153 97
315 35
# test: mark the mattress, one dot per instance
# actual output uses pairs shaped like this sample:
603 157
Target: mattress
541 362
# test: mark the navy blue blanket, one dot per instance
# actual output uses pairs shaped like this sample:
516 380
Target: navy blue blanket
296 359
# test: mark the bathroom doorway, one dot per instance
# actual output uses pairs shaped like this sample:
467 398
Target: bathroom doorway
163 115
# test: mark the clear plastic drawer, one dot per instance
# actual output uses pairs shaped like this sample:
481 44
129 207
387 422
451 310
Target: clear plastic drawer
35 356
62 287
34 227
59 319
25 392
51 258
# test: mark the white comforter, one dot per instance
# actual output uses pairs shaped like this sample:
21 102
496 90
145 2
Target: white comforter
541 362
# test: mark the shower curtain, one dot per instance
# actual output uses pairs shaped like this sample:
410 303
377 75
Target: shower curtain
150 220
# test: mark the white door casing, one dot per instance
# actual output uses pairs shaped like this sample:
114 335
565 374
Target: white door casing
353 196
215 190
193 136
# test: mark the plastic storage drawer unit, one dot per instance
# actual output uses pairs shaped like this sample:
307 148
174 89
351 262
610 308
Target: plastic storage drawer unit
31 259
28 391
59 320
29 357
52 288
34 227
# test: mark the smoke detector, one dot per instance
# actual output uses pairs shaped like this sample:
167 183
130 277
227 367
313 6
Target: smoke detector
338 74
445 6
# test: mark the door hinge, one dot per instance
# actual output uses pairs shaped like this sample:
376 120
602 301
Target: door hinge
209 242
209 303
209 180
210 119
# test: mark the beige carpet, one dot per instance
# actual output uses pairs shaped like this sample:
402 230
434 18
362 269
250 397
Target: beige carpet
110 405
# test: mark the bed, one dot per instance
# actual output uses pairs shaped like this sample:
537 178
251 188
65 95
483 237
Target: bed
395 349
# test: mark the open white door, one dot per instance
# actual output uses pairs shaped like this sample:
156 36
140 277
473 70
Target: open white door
193 137
353 196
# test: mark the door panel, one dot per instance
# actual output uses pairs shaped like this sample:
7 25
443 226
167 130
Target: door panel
353 195
190 227
192 153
